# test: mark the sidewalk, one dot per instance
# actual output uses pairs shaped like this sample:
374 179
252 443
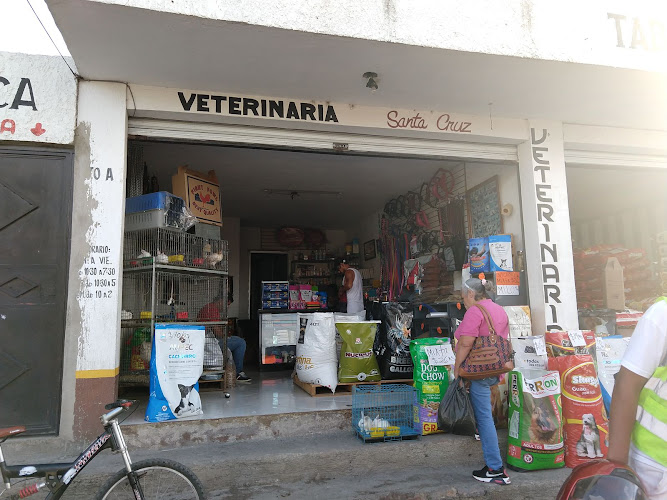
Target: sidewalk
335 465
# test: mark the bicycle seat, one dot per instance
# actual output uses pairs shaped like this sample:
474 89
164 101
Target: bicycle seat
11 431
125 403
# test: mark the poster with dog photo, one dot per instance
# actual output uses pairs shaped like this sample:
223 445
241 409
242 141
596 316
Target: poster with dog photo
535 438
177 362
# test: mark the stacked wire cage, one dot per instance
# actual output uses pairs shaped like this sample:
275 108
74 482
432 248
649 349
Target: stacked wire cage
163 296
145 247
169 277
383 412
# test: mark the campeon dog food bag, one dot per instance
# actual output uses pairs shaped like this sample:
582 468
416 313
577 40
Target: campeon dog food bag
584 417
563 343
316 360
535 438
431 358
357 359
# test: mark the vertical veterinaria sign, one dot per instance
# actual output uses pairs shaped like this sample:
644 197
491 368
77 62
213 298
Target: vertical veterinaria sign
547 225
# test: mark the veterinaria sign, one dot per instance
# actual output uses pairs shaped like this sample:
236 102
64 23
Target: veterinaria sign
177 362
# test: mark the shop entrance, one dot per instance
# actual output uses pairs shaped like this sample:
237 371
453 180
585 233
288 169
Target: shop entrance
619 219
357 206
35 202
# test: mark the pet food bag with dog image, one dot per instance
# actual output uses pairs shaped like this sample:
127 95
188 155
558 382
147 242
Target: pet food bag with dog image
561 343
177 362
316 361
584 417
431 357
357 359
535 438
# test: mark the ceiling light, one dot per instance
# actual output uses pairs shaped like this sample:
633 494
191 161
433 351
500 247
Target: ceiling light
371 84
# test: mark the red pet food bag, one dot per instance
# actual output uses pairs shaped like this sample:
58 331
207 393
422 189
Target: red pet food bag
585 424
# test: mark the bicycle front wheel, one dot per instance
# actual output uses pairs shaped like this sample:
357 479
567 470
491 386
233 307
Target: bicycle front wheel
159 479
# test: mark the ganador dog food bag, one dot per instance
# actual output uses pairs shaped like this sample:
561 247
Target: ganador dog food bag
357 359
584 417
535 439
431 376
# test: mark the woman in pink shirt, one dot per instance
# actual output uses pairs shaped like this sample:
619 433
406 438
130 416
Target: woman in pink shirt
476 293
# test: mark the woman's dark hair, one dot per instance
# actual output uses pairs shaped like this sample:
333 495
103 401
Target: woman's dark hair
483 290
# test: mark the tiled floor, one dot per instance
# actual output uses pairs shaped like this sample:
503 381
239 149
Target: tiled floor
268 393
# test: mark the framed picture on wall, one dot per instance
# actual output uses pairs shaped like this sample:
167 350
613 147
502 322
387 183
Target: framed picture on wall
369 250
483 207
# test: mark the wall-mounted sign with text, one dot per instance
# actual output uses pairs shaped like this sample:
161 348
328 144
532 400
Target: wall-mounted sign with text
37 99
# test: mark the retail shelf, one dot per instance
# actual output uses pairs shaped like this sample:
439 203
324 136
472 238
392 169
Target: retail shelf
138 323
178 269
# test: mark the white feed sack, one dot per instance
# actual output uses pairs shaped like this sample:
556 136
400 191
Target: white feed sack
530 353
316 361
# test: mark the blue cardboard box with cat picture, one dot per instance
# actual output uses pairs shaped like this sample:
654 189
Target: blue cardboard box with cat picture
500 253
177 362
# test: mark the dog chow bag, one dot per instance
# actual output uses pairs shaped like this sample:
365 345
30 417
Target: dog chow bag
535 438
584 417
431 377
357 359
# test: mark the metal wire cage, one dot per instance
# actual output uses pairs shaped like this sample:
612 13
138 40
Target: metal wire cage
383 412
153 296
162 246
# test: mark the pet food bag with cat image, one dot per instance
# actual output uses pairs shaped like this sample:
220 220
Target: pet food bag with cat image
177 362
530 352
535 438
584 417
357 359
316 361
431 358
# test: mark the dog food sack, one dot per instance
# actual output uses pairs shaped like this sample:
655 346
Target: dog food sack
535 438
530 353
357 359
392 344
610 351
316 360
177 362
499 405
584 417
431 358
569 343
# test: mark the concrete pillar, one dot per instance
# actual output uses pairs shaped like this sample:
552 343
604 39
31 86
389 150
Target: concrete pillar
93 309
546 222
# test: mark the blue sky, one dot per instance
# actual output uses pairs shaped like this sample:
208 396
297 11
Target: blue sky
24 33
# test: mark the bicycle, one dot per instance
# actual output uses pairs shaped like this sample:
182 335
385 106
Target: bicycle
152 478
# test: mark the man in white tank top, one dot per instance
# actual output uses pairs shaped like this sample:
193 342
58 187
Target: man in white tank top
353 287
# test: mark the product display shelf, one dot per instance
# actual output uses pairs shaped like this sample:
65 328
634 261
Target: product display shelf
169 293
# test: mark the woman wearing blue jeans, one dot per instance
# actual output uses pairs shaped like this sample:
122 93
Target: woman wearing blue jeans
476 291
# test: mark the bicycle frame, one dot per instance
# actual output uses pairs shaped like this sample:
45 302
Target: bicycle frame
58 476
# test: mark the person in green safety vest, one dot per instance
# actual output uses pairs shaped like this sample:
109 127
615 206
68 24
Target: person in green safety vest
638 417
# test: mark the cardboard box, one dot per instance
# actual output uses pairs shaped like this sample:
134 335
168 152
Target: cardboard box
612 286
500 252
201 193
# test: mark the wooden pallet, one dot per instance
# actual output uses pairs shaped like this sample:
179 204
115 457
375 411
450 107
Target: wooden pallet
343 389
